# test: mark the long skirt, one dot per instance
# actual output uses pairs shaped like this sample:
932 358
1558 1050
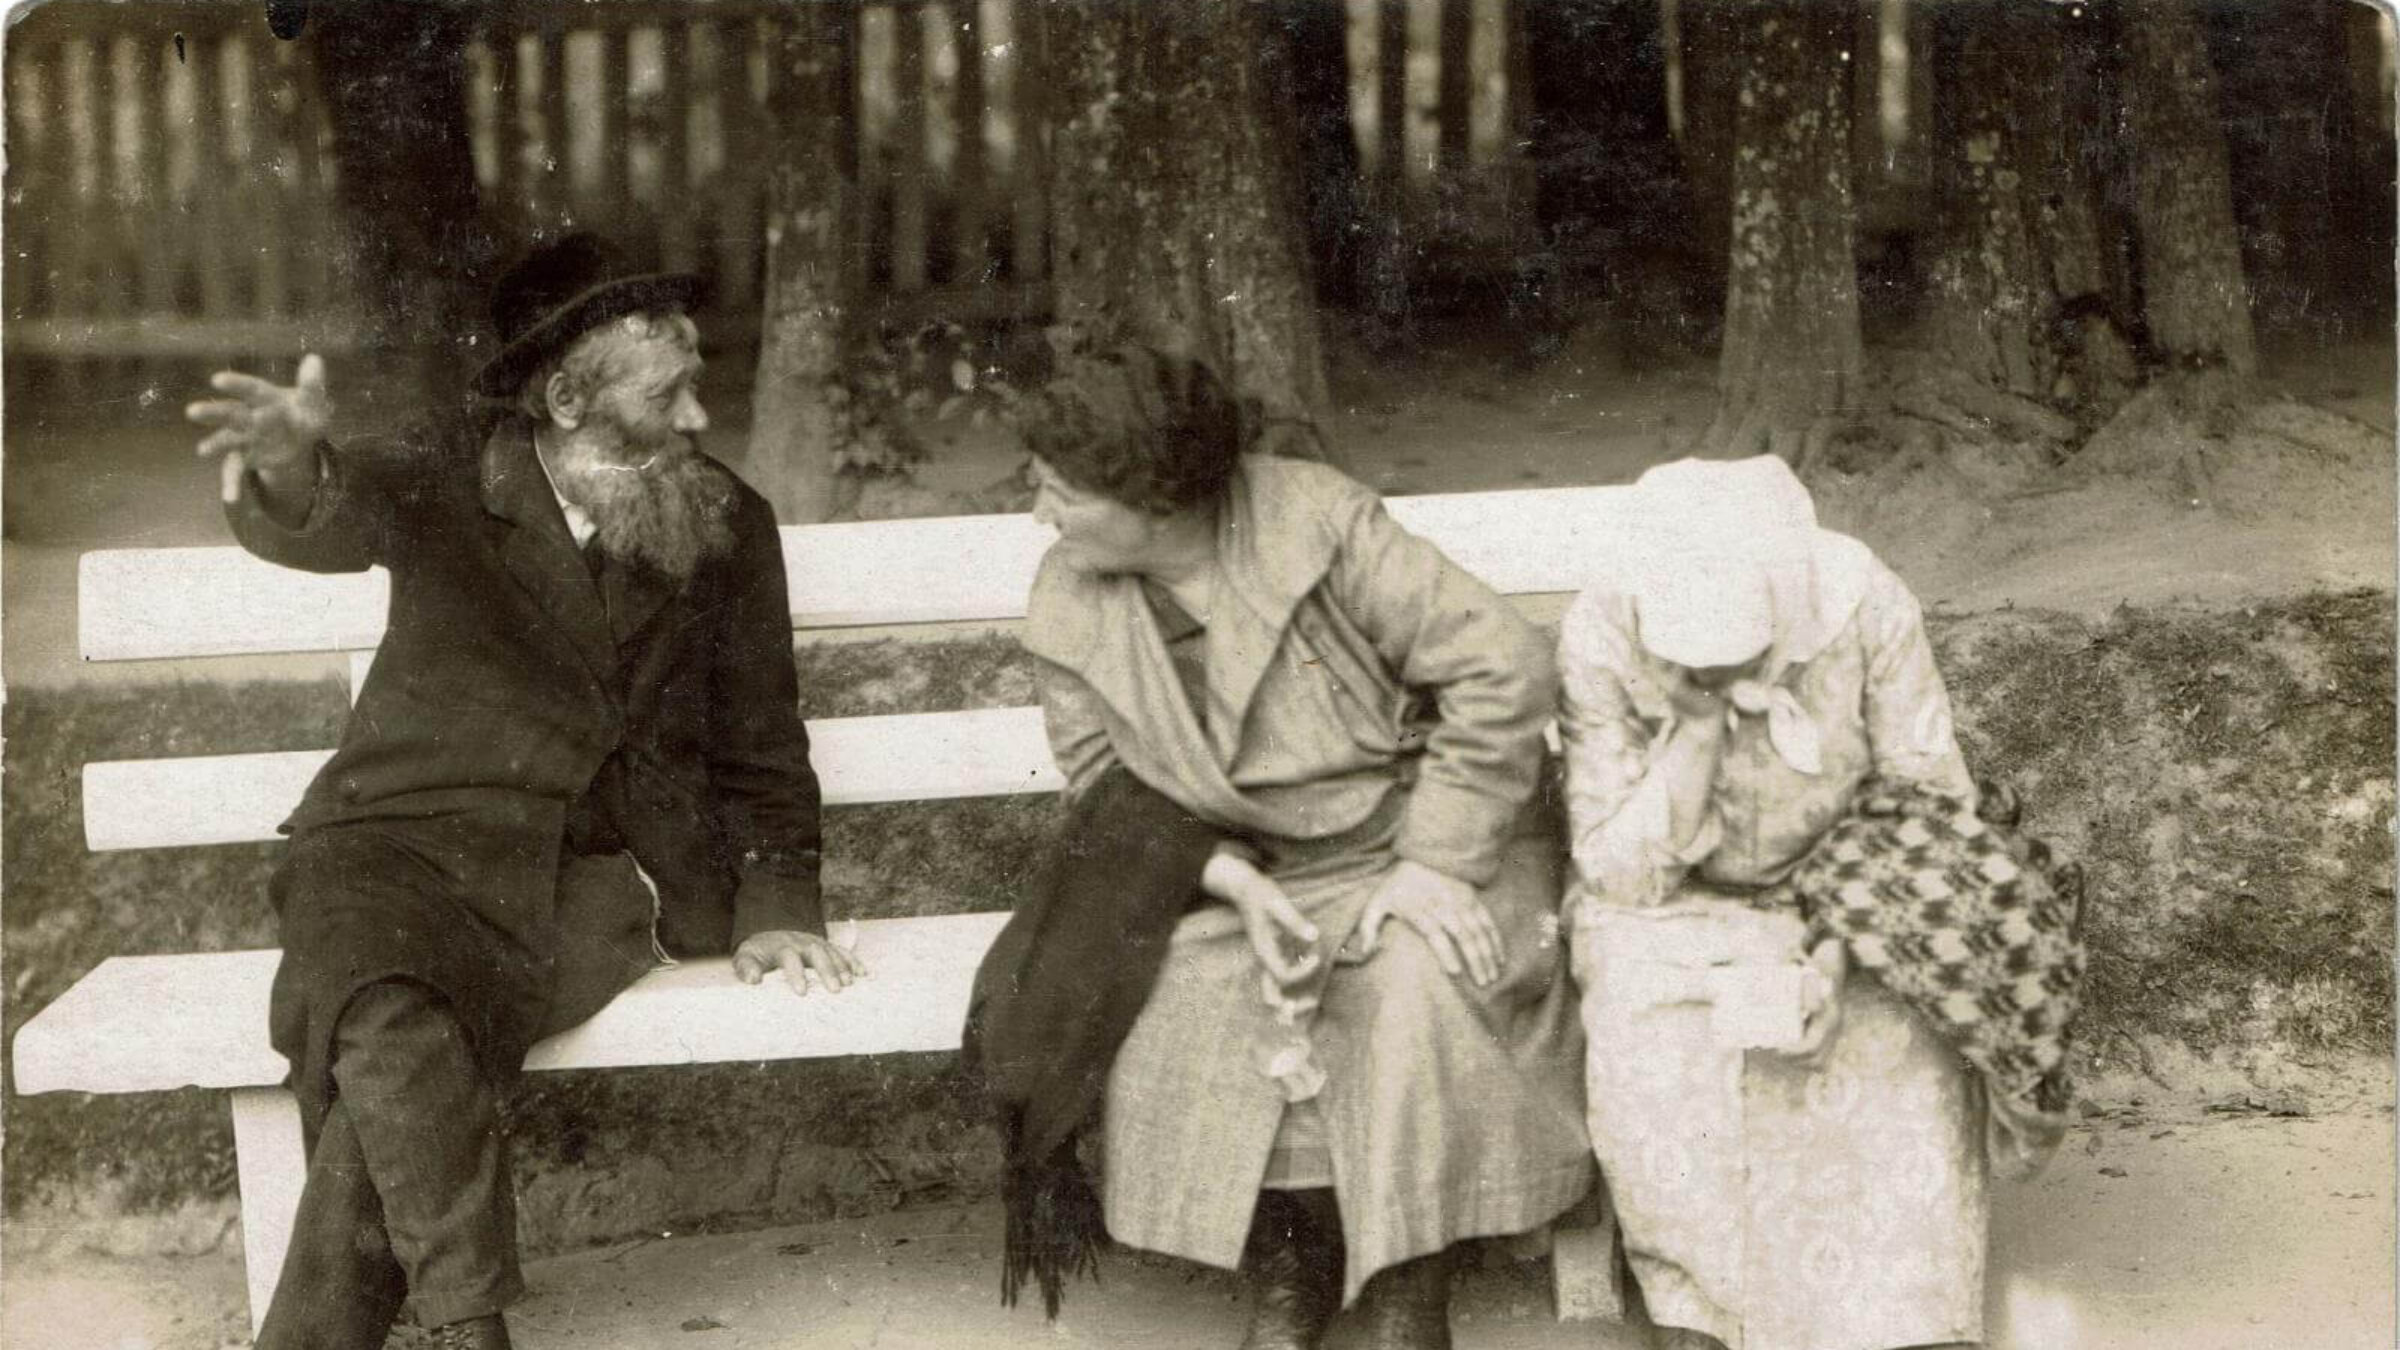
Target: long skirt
1449 1112
1772 1204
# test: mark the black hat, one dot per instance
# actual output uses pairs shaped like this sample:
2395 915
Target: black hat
561 291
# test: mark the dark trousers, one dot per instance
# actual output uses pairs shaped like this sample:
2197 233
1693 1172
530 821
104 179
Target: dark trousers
408 1194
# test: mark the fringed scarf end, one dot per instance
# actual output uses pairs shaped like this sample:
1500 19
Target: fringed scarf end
1054 1228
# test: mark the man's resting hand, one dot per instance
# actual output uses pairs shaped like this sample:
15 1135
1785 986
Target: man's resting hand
796 954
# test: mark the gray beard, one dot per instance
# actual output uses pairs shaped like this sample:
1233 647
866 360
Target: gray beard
666 507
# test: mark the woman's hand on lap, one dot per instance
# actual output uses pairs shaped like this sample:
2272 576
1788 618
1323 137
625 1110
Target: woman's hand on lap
1445 911
1281 937
1821 1009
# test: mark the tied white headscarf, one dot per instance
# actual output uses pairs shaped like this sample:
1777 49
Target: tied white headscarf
1724 562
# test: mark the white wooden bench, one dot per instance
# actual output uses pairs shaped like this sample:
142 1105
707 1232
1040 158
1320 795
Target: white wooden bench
152 1023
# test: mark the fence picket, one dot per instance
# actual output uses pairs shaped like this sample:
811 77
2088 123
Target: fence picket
508 120
675 149
1457 86
213 173
35 117
970 250
1029 171
736 218
1391 103
164 229
181 202
107 289
908 150
268 150
553 199
615 193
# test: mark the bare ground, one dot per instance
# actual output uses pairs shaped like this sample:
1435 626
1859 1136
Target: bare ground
2181 1220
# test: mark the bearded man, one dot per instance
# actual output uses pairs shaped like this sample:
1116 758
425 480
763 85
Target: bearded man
578 755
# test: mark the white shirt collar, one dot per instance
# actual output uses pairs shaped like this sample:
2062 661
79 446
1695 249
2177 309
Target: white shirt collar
579 524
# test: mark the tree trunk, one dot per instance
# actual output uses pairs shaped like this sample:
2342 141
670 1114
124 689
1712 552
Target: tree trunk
2366 213
1620 220
909 172
1454 102
1535 302
1606 163
1316 52
393 74
2193 293
2017 252
970 252
1790 366
1390 238
801 403
2288 131
1173 202
1988 295
1708 39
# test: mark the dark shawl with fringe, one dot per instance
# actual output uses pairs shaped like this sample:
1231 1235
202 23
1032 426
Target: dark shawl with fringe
1056 996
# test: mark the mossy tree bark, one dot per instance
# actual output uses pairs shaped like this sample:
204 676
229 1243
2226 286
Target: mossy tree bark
2017 251
800 401
2194 296
1790 366
1174 208
394 78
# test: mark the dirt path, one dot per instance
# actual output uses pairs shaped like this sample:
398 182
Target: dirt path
2157 1225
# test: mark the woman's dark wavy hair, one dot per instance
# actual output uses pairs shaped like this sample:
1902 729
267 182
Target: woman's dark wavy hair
1154 430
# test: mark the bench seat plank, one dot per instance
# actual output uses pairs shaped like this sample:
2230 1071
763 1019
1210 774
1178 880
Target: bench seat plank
240 799
160 603
152 1023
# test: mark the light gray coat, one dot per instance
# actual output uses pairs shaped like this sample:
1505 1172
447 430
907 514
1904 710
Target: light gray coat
1365 692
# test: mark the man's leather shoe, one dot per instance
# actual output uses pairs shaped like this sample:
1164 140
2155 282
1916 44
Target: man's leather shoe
488 1332
1407 1306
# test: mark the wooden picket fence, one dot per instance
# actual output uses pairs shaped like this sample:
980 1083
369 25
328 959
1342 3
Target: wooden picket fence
156 204
170 177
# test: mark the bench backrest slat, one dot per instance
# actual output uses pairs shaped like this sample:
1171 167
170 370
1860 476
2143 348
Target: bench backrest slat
150 604
240 799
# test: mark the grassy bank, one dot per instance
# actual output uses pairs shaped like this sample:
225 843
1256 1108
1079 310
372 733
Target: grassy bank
2225 774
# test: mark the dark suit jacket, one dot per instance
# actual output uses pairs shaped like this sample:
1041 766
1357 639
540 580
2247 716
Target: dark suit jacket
505 691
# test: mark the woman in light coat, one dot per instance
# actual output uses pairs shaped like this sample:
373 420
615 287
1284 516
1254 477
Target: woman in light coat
1319 1096
1727 684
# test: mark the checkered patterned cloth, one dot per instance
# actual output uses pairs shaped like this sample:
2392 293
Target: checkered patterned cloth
1974 925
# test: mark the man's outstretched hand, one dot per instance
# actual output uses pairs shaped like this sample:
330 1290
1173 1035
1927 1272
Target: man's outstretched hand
271 430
